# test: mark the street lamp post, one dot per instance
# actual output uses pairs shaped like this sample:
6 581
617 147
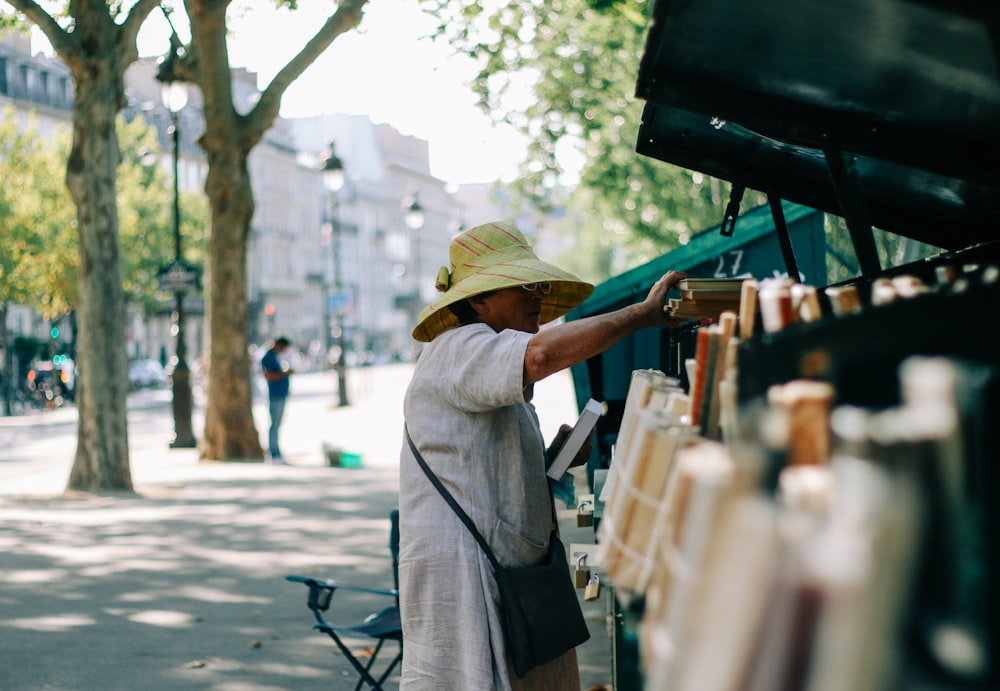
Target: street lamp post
177 275
333 180
413 215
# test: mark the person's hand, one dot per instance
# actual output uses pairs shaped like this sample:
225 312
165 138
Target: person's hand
560 439
656 300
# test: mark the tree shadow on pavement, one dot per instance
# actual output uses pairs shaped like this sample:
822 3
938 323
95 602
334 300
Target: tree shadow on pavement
182 586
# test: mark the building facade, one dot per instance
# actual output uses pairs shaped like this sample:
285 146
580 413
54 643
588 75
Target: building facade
319 263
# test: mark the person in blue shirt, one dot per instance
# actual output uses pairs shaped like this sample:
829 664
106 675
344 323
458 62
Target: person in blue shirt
277 374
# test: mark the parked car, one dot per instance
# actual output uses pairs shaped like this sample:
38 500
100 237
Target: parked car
147 374
52 382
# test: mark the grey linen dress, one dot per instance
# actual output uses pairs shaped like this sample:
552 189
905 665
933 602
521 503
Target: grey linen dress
469 415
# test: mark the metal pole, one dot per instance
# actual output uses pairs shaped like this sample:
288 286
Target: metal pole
181 377
341 365
325 307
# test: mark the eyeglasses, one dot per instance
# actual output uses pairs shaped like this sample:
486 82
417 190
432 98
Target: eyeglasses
545 287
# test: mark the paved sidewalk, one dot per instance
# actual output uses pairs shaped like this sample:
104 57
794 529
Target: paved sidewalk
181 586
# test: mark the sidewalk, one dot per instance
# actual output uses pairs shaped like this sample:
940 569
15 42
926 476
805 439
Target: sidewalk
182 585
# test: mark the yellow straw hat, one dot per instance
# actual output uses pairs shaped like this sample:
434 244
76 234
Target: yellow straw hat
490 257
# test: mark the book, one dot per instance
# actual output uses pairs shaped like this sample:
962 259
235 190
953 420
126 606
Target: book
709 295
700 310
574 442
714 284
705 298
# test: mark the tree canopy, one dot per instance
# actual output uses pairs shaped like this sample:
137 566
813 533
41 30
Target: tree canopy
563 73
38 255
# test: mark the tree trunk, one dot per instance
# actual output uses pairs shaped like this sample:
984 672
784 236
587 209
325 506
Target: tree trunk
229 137
97 52
230 433
102 458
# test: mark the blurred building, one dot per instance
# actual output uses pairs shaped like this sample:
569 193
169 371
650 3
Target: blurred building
317 260
387 268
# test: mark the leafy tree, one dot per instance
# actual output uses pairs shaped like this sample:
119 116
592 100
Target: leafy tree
21 238
97 42
24 240
54 271
581 59
38 262
227 141
38 255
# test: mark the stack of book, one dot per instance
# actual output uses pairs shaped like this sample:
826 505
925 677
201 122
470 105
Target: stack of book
705 298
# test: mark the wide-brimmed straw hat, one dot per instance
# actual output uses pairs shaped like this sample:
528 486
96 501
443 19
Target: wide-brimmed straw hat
490 257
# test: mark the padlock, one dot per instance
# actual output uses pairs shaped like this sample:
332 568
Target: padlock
584 518
581 576
593 589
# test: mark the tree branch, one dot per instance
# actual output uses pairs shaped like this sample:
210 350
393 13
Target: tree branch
57 35
347 17
133 22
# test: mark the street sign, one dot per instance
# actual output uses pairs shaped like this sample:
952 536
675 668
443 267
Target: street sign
341 302
177 276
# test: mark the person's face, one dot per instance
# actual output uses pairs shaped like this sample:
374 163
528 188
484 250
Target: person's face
511 308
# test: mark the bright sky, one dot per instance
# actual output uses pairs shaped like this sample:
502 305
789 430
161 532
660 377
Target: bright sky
383 70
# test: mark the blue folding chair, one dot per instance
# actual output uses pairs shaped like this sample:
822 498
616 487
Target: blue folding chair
381 626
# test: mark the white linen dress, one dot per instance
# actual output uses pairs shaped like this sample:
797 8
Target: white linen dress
469 415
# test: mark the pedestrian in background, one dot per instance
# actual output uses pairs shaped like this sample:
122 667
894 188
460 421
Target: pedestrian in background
277 373
468 412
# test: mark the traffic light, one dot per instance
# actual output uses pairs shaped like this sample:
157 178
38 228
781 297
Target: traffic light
54 332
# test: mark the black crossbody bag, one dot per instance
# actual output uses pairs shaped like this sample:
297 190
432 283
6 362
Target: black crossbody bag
541 613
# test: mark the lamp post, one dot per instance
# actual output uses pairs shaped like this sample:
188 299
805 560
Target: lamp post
177 276
413 215
333 180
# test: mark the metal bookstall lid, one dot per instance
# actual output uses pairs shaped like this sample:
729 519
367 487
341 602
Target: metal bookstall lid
881 112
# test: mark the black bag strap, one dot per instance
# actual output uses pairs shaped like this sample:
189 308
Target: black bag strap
464 517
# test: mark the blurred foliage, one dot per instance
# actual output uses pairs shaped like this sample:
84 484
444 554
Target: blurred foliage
893 250
39 254
580 60
563 73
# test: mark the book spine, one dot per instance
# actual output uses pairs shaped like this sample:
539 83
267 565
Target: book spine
701 351
708 380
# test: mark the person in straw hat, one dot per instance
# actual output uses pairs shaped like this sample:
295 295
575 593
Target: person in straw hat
468 412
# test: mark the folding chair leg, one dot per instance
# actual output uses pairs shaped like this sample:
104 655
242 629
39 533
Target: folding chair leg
366 676
388 670
368 668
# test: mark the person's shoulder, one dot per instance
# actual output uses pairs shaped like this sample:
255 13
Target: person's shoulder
478 338
462 334
461 331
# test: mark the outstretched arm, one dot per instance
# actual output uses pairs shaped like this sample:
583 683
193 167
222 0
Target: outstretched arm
558 347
